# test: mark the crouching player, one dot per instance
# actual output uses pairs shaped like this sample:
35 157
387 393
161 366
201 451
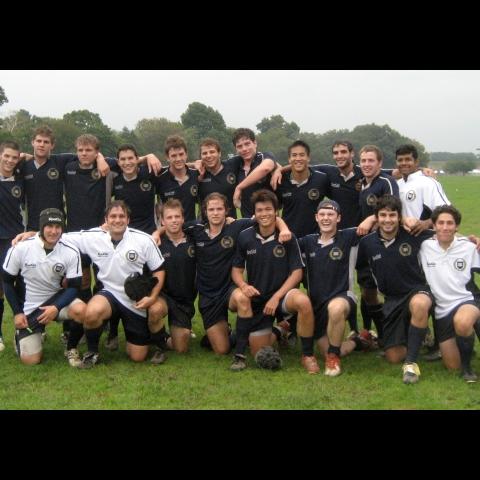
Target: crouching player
44 261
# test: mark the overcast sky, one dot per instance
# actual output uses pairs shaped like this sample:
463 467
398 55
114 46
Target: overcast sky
440 109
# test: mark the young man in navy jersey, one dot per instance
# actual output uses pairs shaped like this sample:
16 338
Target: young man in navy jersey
329 259
274 271
449 264
216 175
253 169
180 288
391 253
46 262
11 209
178 181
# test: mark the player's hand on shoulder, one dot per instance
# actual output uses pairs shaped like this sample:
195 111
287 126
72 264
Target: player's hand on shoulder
156 237
237 194
21 237
284 235
276 178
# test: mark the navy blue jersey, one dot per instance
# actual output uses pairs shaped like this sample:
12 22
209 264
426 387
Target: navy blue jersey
85 195
395 264
247 208
181 269
380 185
44 186
268 262
139 195
168 187
215 255
223 182
300 202
11 202
344 192
329 268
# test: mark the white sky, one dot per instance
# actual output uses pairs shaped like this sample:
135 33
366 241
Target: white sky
440 109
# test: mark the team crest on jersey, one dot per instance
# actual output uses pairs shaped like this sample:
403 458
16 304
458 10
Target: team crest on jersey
145 185
53 173
16 191
191 251
95 174
231 178
194 190
335 253
131 255
313 194
227 242
58 268
279 251
405 249
411 196
371 200
460 264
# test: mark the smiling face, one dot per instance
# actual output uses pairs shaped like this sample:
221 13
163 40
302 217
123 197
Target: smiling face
299 159
445 228
265 214
328 220
370 165
117 221
172 220
406 164
210 156
51 234
128 162
177 157
342 156
388 222
9 159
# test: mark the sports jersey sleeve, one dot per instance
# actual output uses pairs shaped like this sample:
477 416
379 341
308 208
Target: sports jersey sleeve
362 258
476 261
391 187
153 255
76 239
239 257
63 158
242 224
13 261
434 195
74 266
192 228
295 260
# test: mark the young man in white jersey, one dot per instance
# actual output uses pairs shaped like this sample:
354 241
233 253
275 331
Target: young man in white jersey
45 262
449 263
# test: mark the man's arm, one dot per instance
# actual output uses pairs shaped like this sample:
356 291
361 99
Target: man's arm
284 235
147 302
237 277
153 162
366 225
291 282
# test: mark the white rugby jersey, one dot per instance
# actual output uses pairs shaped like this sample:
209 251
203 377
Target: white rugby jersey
42 273
419 191
115 263
448 271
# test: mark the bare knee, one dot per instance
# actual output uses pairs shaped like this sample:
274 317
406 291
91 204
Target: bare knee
395 354
31 359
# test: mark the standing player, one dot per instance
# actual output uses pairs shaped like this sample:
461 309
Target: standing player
274 271
180 288
392 255
45 262
11 203
178 181
449 263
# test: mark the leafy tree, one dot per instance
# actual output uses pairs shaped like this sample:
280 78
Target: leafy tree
3 97
152 133
291 130
460 166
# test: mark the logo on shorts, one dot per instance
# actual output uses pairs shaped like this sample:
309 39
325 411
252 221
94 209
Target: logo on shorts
336 253
460 264
58 268
194 190
313 194
191 251
53 174
131 255
279 251
16 191
95 174
411 196
371 200
405 249
227 242
231 178
145 185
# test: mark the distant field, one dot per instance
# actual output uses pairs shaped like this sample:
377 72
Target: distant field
201 380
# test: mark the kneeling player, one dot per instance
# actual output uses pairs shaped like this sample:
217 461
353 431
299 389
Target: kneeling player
274 270
44 261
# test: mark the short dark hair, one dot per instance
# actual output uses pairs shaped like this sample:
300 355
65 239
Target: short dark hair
264 195
389 202
210 141
9 144
454 212
174 141
44 131
170 203
213 196
372 148
115 204
126 146
406 150
345 143
299 143
242 132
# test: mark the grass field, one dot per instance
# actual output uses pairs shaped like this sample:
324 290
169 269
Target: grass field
201 380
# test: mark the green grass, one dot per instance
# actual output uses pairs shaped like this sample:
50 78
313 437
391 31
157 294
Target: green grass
201 380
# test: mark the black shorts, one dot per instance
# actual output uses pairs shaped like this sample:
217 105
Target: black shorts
397 316
321 314
180 313
135 326
214 310
365 278
445 328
